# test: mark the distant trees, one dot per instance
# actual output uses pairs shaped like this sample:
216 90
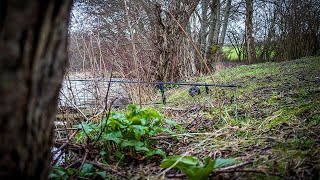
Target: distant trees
251 30
33 42
164 19
297 28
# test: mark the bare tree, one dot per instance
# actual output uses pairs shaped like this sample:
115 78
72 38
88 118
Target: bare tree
164 19
33 59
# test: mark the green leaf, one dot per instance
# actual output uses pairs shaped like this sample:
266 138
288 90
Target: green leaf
87 169
174 124
171 123
103 153
102 174
58 173
157 121
135 120
192 167
113 123
204 171
143 121
72 171
138 145
156 130
156 151
118 116
153 114
87 127
119 155
187 160
133 111
113 136
223 162
138 131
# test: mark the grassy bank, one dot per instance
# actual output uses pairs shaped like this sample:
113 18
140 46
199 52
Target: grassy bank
270 124
271 121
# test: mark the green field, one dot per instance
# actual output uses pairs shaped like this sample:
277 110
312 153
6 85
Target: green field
231 53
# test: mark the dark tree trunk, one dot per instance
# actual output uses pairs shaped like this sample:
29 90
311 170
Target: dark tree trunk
204 26
213 29
33 40
167 35
249 32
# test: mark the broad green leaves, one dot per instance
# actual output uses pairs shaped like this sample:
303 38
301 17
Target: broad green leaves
193 167
129 131
87 171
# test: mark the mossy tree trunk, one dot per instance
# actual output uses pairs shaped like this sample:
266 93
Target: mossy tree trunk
249 32
33 40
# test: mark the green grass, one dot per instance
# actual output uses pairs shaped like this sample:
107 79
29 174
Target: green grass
231 53
272 119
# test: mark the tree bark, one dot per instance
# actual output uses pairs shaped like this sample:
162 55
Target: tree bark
167 34
204 26
33 40
249 32
214 27
225 23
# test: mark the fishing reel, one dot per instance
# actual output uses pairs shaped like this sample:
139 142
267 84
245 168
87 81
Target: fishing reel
194 90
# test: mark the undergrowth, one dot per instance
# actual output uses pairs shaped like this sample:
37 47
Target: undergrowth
271 120
270 124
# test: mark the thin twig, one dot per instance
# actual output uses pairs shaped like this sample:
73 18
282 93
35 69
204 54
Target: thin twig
109 169
185 134
248 171
66 143
84 158
134 54
235 166
57 159
106 108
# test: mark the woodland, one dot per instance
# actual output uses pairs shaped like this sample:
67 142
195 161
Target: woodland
160 89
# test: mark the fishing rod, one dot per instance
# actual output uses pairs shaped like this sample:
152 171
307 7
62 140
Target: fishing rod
194 90
158 83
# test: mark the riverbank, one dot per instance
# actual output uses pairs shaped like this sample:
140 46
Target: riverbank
270 125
